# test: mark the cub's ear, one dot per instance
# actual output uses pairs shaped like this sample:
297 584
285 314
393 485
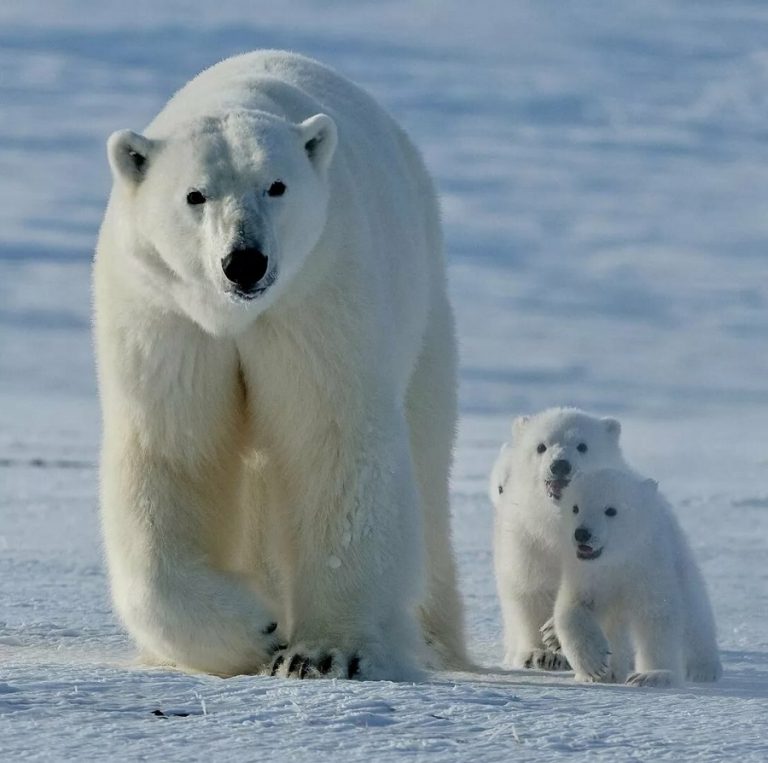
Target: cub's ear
499 474
519 424
320 137
129 155
650 487
613 427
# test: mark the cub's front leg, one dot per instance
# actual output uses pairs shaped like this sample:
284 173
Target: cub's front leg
357 559
170 471
526 587
581 637
658 635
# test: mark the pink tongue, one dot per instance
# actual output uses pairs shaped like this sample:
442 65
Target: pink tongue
585 549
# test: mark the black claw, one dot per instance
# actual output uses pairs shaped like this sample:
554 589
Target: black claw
271 628
279 660
529 662
325 664
294 664
354 667
305 666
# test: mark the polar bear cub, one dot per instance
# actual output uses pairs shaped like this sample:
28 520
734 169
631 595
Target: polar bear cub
628 570
532 470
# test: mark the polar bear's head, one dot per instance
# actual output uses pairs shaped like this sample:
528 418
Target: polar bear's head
224 211
549 449
606 514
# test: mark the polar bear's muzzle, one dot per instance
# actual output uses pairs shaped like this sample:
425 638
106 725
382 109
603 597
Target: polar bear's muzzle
585 544
246 269
560 477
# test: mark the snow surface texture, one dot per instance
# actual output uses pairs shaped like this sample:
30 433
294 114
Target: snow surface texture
604 176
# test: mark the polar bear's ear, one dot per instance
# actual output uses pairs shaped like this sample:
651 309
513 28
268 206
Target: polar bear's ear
320 137
650 487
613 427
129 154
499 474
519 424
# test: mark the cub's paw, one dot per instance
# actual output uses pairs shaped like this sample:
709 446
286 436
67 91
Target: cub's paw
704 671
302 661
545 659
656 678
592 662
549 636
608 678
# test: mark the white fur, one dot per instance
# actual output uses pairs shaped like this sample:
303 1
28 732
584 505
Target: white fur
285 458
644 584
527 528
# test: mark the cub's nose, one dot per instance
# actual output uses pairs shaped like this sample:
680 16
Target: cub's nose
560 468
582 535
245 267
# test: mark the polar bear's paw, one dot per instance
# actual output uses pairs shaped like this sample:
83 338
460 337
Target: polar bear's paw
545 659
592 662
302 661
549 636
657 678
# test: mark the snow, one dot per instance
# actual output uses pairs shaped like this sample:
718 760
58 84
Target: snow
602 167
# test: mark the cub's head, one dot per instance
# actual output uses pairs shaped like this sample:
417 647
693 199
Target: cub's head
224 212
549 449
605 514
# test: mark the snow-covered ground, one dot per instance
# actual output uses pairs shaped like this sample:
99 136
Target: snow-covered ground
604 172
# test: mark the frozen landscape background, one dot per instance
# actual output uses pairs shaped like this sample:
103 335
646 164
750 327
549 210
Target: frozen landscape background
604 176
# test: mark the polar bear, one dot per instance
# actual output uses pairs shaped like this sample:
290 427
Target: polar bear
546 451
628 568
277 372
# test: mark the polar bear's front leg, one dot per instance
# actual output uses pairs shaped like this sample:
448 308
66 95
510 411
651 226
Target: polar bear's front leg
174 426
357 570
523 642
177 606
658 661
582 639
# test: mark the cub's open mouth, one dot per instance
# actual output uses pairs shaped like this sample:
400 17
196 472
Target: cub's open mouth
555 488
583 551
240 295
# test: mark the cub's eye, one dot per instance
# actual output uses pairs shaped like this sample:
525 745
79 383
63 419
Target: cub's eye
195 197
582 447
276 189
575 509
501 489
610 512
541 447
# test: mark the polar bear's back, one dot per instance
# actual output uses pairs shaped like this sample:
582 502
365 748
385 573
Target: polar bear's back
282 83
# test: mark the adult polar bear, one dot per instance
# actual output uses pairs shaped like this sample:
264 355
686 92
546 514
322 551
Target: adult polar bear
276 359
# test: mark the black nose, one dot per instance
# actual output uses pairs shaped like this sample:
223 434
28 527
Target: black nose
560 468
582 535
245 267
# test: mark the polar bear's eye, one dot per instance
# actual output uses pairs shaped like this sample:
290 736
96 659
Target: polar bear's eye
195 197
501 489
575 509
541 447
276 189
610 512
582 447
